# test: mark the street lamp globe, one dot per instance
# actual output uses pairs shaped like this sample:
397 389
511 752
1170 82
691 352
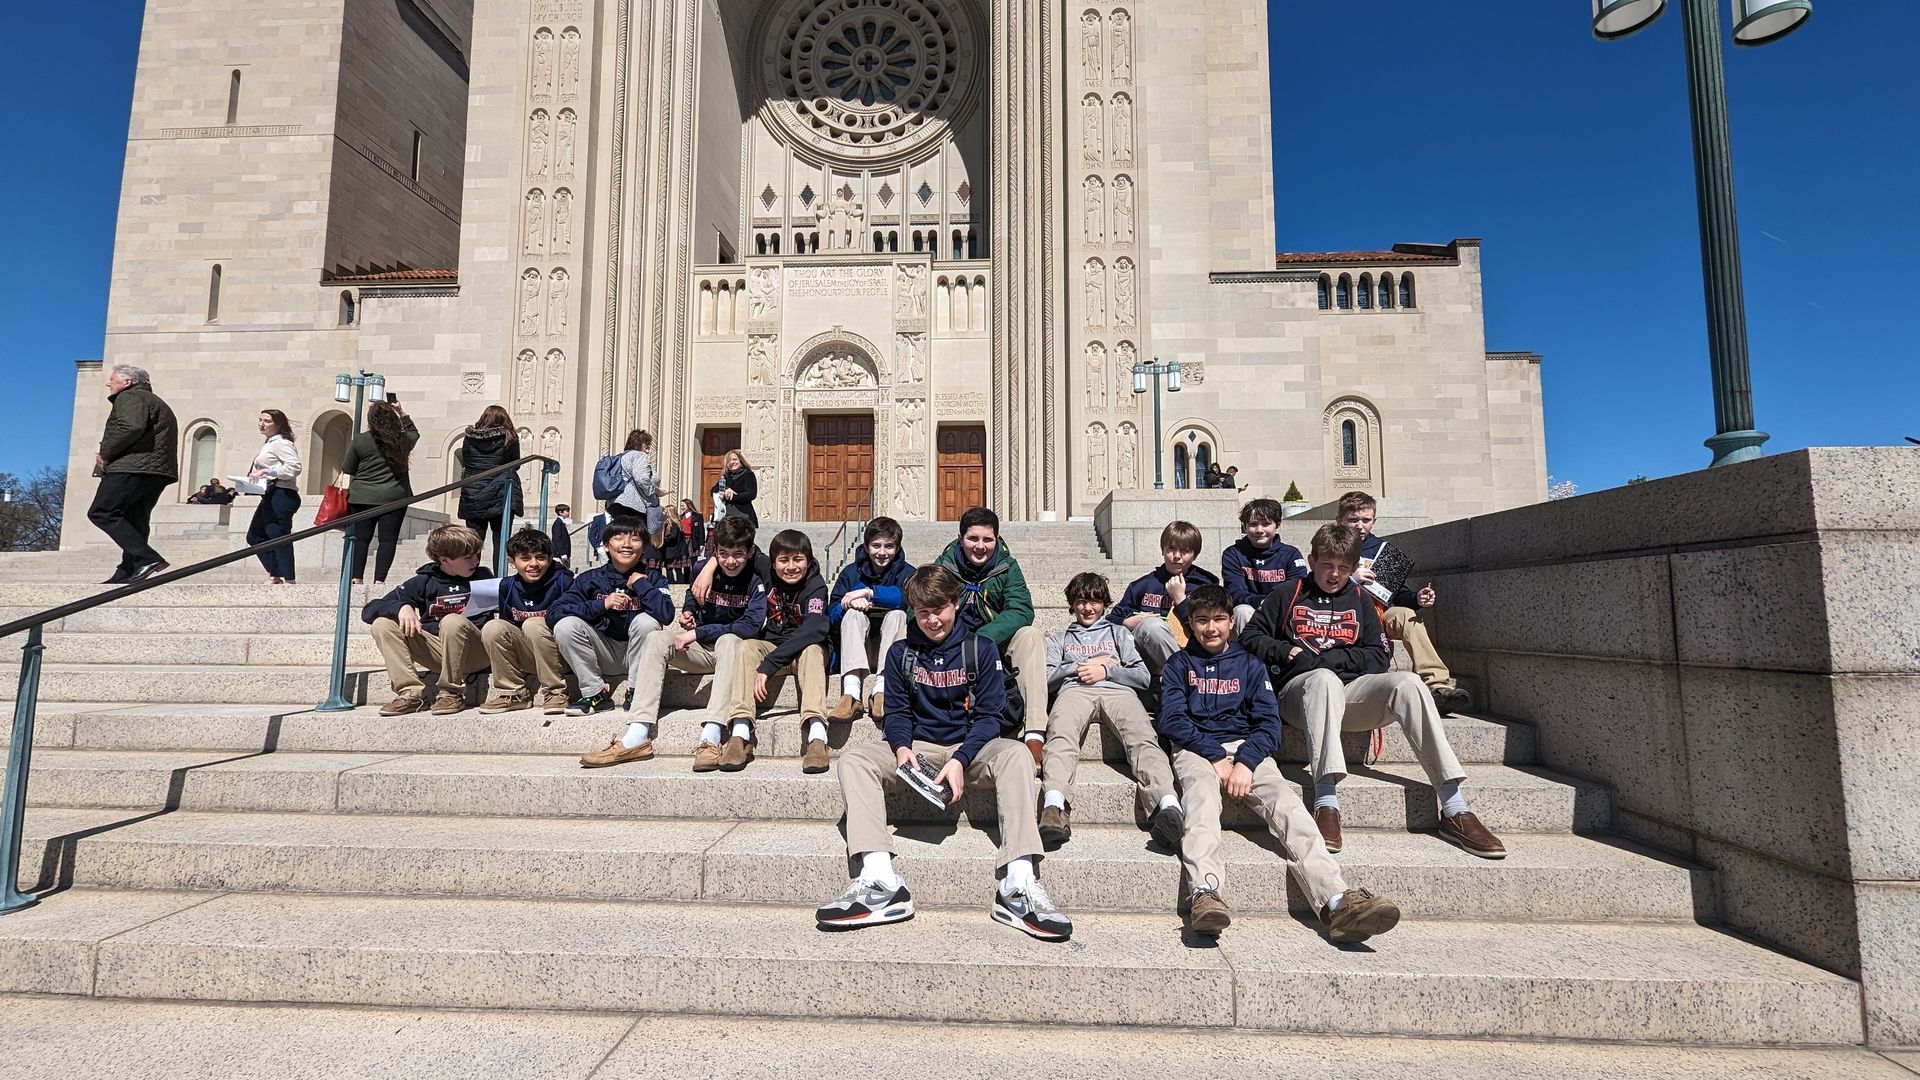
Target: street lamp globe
377 387
1757 22
343 388
1618 18
1173 377
1139 378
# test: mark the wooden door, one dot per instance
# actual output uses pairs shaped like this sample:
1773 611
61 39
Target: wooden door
715 442
839 467
962 482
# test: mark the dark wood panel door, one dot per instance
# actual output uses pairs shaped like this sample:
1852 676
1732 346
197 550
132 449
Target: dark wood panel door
839 467
962 480
715 443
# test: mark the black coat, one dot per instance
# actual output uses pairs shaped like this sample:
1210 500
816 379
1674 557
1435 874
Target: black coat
483 449
745 487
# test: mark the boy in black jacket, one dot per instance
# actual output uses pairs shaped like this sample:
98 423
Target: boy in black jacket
793 639
603 619
950 716
1326 648
1217 711
520 640
424 621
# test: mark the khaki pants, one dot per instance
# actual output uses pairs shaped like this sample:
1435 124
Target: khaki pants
657 655
1027 651
1155 641
1242 615
515 649
1120 710
856 626
867 773
1406 626
454 653
1277 801
1323 707
595 659
810 668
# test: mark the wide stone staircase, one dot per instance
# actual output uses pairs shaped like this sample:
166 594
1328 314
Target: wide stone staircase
199 833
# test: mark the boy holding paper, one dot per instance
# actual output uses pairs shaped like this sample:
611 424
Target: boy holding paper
426 621
1382 573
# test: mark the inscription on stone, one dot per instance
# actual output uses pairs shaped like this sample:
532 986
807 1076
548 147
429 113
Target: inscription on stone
950 404
833 281
229 131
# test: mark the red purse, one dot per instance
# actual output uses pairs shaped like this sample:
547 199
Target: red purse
333 505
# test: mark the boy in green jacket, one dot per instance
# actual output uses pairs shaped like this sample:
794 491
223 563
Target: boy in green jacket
997 606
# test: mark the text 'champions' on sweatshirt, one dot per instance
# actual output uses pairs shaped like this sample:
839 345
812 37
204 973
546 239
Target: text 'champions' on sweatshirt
1210 699
940 706
735 605
1339 631
1250 573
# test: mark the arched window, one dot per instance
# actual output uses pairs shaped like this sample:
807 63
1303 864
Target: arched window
759 243
959 243
347 312
1366 292
233 97
973 243
203 458
879 240
1202 457
1179 465
1386 291
1345 296
1325 292
919 240
1349 443
799 243
813 242
213 294
1406 290
893 241
773 245
1354 446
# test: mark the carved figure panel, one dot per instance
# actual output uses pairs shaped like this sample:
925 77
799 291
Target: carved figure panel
563 142
1092 46
539 135
1122 46
534 227
1122 128
763 293
1096 375
563 222
841 220
1124 357
557 289
556 380
530 303
1094 211
550 443
1096 292
542 63
569 62
911 303
1093 124
760 418
473 383
762 368
1124 313
837 370
1096 458
523 382
913 428
913 359
1122 209
909 491
1127 475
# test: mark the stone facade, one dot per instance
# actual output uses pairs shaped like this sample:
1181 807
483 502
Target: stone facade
725 219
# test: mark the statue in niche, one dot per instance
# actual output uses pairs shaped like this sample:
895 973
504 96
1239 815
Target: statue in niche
535 228
1122 128
1096 376
763 301
563 143
907 498
913 360
563 222
913 291
762 414
550 443
1096 293
856 224
1123 309
1091 45
557 303
1096 459
556 379
1095 213
569 62
523 377
538 134
1122 210
835 371
1093 131
760 371
1128 475
530 303
542 63
912 416
1122 46
1124 359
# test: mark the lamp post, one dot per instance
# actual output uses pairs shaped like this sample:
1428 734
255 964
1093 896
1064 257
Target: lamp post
1757 22
1141 373
346 388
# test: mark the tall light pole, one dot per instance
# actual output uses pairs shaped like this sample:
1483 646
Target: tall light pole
345 388
1141 373
1757 22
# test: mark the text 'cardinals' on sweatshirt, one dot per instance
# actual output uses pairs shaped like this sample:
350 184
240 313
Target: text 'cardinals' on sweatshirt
1148 596
521 599
1250 573
1208 699
940 706
1077 644
433 594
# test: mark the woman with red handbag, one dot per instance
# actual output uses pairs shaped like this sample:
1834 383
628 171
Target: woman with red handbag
377 461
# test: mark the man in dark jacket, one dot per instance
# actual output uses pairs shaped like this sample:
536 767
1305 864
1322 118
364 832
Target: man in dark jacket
137 460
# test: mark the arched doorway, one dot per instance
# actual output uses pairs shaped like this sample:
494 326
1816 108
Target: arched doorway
328 447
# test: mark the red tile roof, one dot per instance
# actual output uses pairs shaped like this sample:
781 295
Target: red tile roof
446 276
1323 258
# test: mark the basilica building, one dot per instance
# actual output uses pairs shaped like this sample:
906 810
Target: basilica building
903 254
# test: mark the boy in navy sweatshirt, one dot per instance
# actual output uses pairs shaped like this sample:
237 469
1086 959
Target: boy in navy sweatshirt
520 640
950 716
867 598
1259 562
703 641
424 621
603 619
791 640
1218 713
1153 606
1324 644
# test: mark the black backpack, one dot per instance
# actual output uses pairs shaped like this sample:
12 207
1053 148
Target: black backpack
1013 717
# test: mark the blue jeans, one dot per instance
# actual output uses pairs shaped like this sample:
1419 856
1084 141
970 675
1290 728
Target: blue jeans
273 519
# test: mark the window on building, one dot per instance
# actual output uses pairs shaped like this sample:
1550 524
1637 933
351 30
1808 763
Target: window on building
773 244
879 240
1386 291
347 312
1349 443
233 97
203 458
213 294
1345 294
813 242
919 240
1179 465
799 244
1406 290
760 243
893 240
959 243
1202 457
1325 292
973 244
413 166
1366 292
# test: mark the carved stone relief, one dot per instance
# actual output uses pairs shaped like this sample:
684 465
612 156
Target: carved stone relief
1096 292
760 419
523 382
530 303
556 380
913 359
1122 128
557 303
1093 131
1122 46
840 220
1123 292
1096 376
563 142
762 368
1124 357
534 228
550 443
473 383
1096 458
1094 211
1122 210
909 491
542 63
1128 474
1091 46
911 301
539 134
837 370
569 62
563 222
763 293
913 432
1194 372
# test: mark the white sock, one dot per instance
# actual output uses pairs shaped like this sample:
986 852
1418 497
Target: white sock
712 733
743 730
879 684
1333 902
1168 800
816 731
878 866
1451 801
1056 799
850 685
1019 874
637 733
1037 736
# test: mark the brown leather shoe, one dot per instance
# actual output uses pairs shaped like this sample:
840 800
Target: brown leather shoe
1208 914
1361 915
1328 818
1056 826
616 754
1451 699
554 702
407 701
814 758
506 703
448 702
877 705
1465 832
845 709
735 756
706 757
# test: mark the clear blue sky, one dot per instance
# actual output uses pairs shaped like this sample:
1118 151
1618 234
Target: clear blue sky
1399 120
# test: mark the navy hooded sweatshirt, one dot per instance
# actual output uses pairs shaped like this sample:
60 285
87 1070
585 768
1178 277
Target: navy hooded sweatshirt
796 617
521 600
433 593
1148 596
940 706
1207 700
586 599
1250 573
1339 631
735 605
888 584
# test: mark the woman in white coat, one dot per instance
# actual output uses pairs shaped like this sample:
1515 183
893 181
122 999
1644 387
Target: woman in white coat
277 465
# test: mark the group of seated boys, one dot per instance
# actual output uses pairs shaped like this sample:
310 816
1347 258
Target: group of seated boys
1194 677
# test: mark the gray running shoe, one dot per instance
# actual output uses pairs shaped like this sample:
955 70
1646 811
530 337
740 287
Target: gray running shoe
865 903
1029 908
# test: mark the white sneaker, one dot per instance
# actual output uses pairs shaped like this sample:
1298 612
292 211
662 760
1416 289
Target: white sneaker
867 902
1029 908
